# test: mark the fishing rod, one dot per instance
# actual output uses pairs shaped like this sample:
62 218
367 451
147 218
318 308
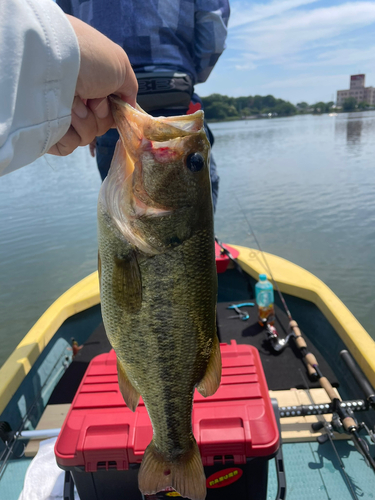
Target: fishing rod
321 409
278 344
10 438
225 251
343 419
362 381
329 436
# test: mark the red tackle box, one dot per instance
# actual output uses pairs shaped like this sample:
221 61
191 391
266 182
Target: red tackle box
222 258
102 442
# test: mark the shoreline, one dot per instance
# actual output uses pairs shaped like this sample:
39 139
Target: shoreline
259 117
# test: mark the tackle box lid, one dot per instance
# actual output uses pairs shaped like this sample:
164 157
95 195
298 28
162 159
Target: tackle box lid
222 259
235 424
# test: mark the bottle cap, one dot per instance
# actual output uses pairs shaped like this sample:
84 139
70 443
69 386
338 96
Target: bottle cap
263 277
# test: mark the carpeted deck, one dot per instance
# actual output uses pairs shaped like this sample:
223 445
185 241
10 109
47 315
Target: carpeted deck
283 370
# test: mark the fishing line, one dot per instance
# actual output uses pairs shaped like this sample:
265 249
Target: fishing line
265 260
49 164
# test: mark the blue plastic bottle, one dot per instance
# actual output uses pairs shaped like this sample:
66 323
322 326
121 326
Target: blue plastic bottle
264 298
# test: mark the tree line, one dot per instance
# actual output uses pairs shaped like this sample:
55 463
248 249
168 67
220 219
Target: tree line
222 107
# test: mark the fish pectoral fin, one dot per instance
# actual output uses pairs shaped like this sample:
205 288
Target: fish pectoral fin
211 380
127 282
185 474
130 395
99 267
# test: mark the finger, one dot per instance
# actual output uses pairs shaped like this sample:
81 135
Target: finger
100 107
92 147
92 125
129 89
104 67
66 144
103 115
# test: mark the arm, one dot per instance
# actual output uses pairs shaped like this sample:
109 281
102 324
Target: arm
38 79
211 20
56 75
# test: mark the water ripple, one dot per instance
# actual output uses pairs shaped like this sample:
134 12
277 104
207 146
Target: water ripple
306 183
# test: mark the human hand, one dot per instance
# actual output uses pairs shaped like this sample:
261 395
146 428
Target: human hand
92 147
105 69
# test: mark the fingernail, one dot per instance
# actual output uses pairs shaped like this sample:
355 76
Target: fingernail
102 109
79 108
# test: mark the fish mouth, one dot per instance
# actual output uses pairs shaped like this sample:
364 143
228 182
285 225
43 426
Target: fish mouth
158 129
141 133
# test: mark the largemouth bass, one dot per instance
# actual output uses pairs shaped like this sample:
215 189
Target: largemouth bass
158 285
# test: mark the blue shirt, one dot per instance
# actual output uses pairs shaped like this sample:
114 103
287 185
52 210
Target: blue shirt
182 35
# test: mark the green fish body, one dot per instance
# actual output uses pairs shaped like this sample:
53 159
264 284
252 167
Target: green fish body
158 285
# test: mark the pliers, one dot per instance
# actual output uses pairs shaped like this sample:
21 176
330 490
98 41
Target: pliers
243 315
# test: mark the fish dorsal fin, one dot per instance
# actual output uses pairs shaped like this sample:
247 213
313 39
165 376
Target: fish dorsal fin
130 395
211 380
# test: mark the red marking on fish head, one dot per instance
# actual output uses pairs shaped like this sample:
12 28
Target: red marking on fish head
164 155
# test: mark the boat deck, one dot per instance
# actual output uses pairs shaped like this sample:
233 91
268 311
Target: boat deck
312 470
312 473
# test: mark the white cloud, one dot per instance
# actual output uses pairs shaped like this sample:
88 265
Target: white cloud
362 58
306 80
243 13
295 49
284 35
246 66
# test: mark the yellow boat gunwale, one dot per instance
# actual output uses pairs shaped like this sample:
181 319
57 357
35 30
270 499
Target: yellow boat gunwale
78 298
291 279
297 281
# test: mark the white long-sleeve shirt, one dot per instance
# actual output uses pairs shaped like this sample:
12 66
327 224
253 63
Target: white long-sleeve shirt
39 65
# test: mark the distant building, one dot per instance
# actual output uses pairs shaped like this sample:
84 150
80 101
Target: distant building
357 90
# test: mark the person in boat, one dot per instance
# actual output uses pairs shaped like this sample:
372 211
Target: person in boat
53 91
172 45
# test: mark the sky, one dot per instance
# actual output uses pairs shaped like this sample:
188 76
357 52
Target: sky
297 50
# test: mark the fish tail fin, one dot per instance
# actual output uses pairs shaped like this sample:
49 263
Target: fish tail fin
185 475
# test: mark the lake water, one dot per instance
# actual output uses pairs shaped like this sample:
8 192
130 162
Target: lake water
306 183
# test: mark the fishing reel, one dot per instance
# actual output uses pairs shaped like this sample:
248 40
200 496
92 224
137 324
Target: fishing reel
9 437
344 420
278 344
6 433
335 425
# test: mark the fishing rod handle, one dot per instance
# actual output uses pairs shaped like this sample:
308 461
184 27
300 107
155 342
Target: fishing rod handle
320 409
311 364
361 379
294 326
349 424
326 384
300 342
311 359
311 370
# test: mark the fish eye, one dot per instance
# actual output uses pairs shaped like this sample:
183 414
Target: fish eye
195 162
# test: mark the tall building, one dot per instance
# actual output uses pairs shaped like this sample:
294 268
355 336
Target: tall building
357 90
